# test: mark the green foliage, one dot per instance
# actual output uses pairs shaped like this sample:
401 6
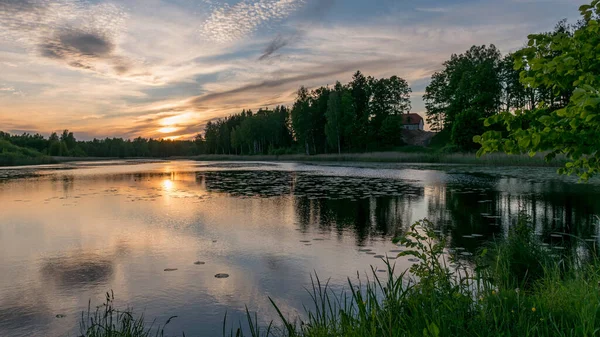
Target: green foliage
512 288
390 132
440 139
520 261
11 155
480 298
472 84
466 124
565 63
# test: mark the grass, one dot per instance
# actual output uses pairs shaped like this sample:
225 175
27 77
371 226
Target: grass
425 156
107 321
513 288
12 155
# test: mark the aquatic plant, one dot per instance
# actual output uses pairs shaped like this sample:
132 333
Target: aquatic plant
514 287
107 321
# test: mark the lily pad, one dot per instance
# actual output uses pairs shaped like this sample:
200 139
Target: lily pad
365 250
304 241
371 253
412 259
170 269
379 256
199 263
222 275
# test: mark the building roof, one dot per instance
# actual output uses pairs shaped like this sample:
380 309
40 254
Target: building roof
410 119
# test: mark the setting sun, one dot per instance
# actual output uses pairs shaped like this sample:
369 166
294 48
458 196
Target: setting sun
168 129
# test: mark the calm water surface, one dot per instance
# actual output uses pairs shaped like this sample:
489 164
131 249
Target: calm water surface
70 233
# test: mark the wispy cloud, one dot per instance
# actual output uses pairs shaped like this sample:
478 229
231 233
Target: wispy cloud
278 42
230 23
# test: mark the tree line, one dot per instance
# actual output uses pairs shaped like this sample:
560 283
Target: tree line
66 145
364 114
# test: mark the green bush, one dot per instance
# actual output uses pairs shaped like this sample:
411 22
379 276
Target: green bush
11 155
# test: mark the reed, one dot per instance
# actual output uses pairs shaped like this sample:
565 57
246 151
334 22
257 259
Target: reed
514 287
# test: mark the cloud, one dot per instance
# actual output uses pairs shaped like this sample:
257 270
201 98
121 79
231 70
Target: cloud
231 23
312 15
74 33
277 43
325 71
10 90
77 48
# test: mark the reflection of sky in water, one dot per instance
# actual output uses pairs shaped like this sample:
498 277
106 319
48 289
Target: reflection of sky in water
70 235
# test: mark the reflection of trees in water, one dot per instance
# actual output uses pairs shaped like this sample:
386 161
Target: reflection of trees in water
366 217
553 207
367 206
77 270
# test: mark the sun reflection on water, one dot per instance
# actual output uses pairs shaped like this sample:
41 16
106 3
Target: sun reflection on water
168 185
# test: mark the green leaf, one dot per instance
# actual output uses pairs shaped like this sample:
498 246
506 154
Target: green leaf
546 120
536 139
524 142
578 93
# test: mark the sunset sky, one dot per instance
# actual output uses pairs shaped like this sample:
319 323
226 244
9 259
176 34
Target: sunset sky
161 69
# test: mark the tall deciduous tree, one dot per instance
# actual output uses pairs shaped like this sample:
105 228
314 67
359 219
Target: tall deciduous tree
570 127
301 118
469 84
340 117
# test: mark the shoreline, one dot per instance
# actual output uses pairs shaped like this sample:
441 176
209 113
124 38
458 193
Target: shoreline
497 159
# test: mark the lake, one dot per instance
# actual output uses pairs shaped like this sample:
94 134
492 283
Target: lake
70 233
